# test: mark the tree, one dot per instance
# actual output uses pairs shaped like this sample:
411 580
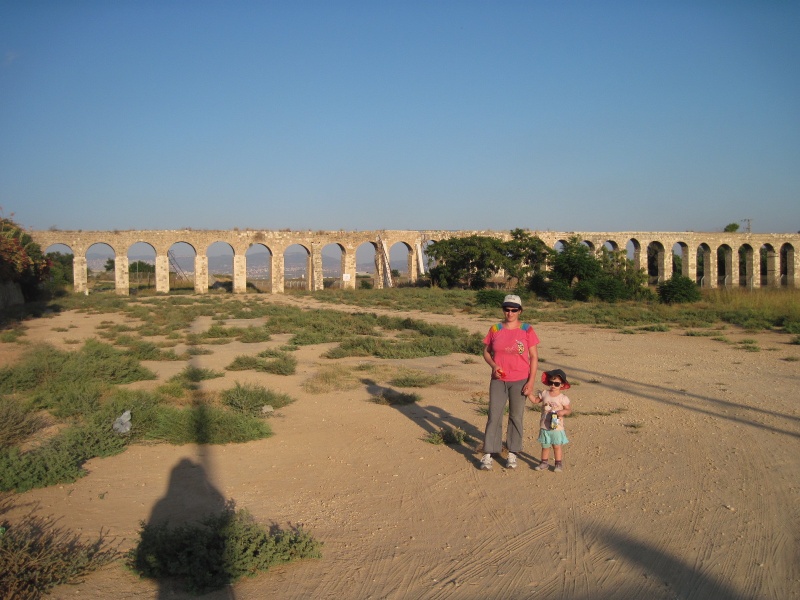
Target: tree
524 256
731 228
110 265
470 260
574 263
61 271
21 259
140 266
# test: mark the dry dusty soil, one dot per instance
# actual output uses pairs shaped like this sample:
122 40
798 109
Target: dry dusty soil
693 491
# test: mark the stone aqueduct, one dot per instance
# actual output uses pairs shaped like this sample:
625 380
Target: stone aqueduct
703 248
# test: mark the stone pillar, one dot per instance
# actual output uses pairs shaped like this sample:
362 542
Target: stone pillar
666 273
734 281
79 276
122 276
689 260
162 273
239 274
348 269
317 279
276 271
772 268
793 267
200 274
710 269
412 267
380 273
751 267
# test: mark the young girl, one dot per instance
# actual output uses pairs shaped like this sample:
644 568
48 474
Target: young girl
551 425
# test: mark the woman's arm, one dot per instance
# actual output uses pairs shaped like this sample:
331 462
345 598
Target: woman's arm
533 352
487 356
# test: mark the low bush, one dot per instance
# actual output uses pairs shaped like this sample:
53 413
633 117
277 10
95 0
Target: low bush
678 289
36 556
250 399
415 378
18 421
217 551
448 436
203 424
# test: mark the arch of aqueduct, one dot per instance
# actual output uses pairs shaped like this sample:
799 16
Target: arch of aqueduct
782 259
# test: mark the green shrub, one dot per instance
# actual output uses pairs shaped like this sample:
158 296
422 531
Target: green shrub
36 556
678 289
217 551
202 424
17 422
59 460
447 435
492 298
392 397
249 399
414 378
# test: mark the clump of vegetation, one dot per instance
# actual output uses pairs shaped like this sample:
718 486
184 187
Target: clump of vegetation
206 424
393 398
448 436
36 556
18 422
251 399
678 289
330 378
416 378
217 551
280 363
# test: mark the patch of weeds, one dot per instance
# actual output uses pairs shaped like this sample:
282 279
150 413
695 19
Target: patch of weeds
698 333
721 338
791 359
795 340
36 556
447 435
18 421
599 413
635 426
471 361
59 329
395 398
205 424
330 378
417 379
194 374
217 551
656 327
280 363
251 335
12 334
251 399
71 341
197 351
627 331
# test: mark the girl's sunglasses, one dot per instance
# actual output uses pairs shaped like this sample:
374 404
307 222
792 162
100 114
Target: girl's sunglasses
555 383
511 310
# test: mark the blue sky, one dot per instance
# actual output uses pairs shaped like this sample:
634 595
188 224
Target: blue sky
576 116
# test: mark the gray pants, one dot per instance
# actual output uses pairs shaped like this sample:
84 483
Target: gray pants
501 392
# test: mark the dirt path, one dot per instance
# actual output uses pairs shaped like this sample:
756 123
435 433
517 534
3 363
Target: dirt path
693 491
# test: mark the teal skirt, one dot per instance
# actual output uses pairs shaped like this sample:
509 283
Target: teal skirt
549 438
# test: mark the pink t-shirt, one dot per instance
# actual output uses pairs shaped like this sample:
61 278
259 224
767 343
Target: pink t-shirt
510 349
557 402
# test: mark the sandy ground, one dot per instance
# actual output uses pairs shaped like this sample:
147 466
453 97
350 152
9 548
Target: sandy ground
692 492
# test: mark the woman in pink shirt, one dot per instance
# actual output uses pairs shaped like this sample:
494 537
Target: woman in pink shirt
510 349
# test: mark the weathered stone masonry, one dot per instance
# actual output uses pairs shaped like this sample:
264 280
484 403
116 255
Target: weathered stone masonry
782 259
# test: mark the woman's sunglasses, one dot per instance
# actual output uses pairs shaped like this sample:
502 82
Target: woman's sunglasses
511 310
555 383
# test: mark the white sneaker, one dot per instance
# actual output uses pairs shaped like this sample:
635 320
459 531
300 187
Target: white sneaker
511 461
486 462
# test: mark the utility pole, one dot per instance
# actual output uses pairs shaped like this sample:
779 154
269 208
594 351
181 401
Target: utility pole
748 221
